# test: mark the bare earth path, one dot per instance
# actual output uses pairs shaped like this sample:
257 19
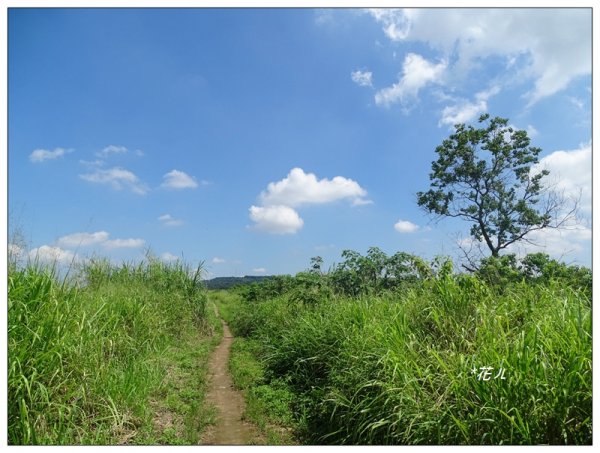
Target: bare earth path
229 429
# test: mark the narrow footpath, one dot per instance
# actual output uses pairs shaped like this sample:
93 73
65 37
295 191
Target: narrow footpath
229 429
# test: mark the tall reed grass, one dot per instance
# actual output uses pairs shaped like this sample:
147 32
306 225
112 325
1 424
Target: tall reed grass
83 359
409 368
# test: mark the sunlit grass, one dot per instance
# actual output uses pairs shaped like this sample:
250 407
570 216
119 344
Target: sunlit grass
83 361
407 368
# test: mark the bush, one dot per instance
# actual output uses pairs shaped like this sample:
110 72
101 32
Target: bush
402 368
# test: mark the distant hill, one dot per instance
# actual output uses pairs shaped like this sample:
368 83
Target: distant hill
229 282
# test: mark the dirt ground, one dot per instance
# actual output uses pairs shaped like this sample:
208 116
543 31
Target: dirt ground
229 429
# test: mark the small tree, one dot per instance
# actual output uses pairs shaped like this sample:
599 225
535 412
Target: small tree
484 176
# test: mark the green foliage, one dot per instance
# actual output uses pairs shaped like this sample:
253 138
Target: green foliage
483 176
401 366
277 285
376 272
535 268
83 362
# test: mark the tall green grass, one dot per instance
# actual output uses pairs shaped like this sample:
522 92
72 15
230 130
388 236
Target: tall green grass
83 360
403 368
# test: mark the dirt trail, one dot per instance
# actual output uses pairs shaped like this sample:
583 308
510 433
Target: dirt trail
229 429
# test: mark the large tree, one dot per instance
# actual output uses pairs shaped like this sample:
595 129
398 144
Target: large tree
483 175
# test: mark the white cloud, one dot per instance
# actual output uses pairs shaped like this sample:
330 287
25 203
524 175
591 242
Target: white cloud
49 254
567 244
168 220
276 219
259 270
117 178
323 16
551 46
396 22
462 113
14 251
299 188
562 244
40 155
176 179
97 238
465 111
168 257
217 260
579 103
277 214
111 149
571 173
532 132
124 243
82 239
363 79
404 226
92 163
361 202
417 72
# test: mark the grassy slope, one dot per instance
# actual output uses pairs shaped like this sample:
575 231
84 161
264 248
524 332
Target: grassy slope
119 361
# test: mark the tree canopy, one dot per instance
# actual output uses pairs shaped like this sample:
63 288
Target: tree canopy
484 175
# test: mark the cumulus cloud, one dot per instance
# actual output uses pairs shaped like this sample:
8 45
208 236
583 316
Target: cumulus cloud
259 270
404 226
217 260
466 111
60 252
82 239
396 22
570 173
176 179
299 188
50 254
117 178
417 72
168 257
124 243
558 243
40 155
361 202
277 214
462 113
101 238
111 149
276 219
572 244
549 46
92 163
363 79
168 220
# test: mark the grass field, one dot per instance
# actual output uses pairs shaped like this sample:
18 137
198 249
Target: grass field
116 359
412 367
120 357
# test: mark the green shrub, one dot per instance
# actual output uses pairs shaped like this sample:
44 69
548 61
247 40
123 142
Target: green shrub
403 368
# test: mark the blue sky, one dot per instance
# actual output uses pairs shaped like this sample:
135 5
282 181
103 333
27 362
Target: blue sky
255 139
